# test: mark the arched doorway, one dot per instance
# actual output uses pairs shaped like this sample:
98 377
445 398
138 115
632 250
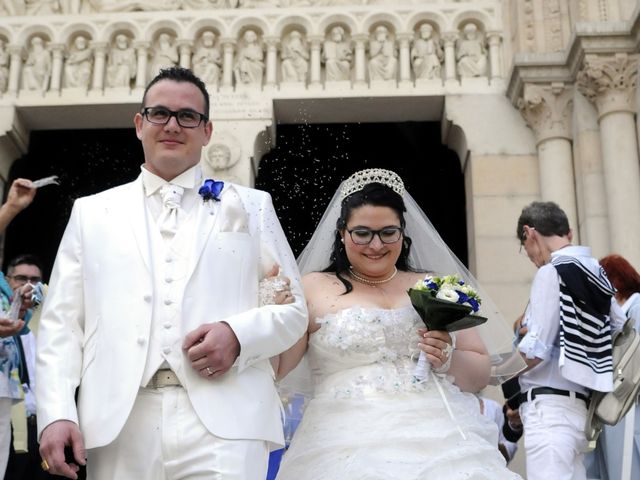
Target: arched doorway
310 160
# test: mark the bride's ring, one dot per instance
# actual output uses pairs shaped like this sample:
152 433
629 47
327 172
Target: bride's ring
209 371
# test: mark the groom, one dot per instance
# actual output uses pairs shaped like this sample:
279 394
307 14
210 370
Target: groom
153 313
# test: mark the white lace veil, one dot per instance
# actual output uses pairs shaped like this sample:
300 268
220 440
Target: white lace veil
428 253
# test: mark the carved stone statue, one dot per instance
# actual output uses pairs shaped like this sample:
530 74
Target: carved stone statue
207 60
471 55
4 66
295 58
337 55
165 54
382 63
121 68
426 54
77 68
37 67
249 65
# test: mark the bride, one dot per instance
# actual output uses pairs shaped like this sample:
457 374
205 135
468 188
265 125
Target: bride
369 417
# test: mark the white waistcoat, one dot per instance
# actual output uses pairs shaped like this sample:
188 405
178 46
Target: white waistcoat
170 263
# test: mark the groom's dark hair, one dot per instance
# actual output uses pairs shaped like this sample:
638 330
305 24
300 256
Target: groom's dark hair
179 74
377 195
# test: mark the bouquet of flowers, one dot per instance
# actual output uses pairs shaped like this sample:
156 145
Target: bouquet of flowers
444 303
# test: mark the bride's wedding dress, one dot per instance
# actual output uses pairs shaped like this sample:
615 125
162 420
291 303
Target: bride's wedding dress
369 419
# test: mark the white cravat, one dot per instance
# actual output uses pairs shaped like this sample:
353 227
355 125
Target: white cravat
172 213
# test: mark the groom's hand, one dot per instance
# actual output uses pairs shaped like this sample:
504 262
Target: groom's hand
55 437
212 348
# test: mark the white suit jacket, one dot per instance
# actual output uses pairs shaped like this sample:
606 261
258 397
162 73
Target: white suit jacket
96 319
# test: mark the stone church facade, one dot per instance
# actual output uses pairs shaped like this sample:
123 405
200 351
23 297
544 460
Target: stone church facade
538 98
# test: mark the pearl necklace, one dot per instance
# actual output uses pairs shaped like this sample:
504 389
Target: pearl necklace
366 281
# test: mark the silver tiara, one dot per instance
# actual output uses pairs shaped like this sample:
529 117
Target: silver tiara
358 180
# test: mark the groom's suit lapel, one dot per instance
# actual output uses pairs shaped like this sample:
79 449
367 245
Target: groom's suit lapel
207 215
131 206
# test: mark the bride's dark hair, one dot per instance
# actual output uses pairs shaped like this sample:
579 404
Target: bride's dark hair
377 195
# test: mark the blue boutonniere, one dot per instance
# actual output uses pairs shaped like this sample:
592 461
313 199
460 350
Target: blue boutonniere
211 189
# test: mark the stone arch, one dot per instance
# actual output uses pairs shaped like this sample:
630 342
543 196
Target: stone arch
437 21
24 37
213 24
130 29
392 22
347 22
298 22
166 26
237 29
480 19
5 35
71 31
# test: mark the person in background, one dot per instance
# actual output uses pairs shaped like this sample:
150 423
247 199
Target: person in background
561 375
617 456
21 194
23 465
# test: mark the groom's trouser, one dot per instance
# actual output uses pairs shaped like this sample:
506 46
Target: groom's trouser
163 439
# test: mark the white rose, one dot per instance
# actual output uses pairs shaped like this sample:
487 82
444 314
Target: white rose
447 294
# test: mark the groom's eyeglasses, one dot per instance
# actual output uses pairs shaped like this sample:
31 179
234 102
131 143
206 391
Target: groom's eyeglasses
364 236
186 118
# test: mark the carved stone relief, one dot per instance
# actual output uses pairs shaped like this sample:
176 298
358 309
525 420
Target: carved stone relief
207 59
609 81
249 65
547 109
337 55
471 54
4 66
427 54
295 58
121 68
382 55
78 65
165 54
36 72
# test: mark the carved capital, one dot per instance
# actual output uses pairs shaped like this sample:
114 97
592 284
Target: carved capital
449 38
315 40
360 39
494 38
609 81
547 109
17 50
100 47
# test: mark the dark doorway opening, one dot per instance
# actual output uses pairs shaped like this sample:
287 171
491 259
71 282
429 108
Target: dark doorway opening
86 162
302 172
310 160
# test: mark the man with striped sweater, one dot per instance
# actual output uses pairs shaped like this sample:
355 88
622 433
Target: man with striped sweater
569 321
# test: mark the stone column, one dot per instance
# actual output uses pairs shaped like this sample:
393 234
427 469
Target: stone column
449 40
142 52
100 60
315 79
228 45
609 82
547 109
494 54
271 77
15 65
57 54
405 58
361 62
184 47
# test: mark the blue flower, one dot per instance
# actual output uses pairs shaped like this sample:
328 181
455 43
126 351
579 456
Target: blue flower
211 189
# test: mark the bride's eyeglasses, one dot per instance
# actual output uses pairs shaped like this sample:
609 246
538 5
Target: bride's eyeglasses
364 236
